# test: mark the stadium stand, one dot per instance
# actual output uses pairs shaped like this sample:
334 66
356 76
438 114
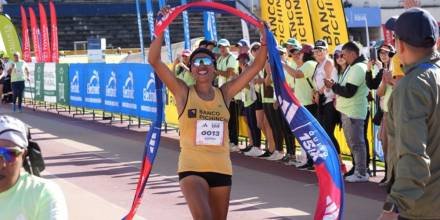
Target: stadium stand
117 22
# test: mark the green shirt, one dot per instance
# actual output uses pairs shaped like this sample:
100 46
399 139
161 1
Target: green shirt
386 97
33 198
185 75
355 107
289 79
303 90
18 73
223 64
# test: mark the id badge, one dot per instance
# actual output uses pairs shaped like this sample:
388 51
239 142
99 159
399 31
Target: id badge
209 132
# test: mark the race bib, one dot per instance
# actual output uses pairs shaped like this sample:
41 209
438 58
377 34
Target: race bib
209 132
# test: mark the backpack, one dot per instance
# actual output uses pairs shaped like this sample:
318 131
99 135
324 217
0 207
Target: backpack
33 162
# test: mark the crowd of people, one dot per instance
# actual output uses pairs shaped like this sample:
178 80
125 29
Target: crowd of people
13 74
334 86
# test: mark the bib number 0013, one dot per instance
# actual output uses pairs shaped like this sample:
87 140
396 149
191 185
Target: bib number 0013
209 132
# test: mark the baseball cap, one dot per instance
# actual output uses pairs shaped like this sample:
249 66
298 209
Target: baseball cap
293 42
306 48
338 49
416 27
224 43
282 49
186 53
255 44
243 43
13 130
321 44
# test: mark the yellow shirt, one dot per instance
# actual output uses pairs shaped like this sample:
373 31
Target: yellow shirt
204 139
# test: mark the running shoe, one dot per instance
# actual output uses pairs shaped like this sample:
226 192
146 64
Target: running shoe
357 178
233 147
306 166
254 152
266 155
288 157
276 155
246 149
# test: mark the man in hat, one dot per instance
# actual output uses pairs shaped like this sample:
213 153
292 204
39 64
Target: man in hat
23 196
227 69
414 118
19 73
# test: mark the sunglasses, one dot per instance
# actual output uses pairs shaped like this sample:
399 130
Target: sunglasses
338 55
207 61
9 154
294 51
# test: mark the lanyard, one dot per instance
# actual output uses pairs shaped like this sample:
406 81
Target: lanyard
344 75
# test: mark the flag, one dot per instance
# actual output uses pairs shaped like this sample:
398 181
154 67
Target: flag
312 138
186 33
210 26
45 44
288 19
26 49
54 32
35 37
329 24
141 36
162 4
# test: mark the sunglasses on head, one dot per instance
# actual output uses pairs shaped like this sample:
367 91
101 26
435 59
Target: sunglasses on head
9 154
207 61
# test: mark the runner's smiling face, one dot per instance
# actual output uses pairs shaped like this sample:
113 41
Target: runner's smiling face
202 68
9 170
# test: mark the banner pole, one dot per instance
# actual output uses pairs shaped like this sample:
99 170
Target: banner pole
141 37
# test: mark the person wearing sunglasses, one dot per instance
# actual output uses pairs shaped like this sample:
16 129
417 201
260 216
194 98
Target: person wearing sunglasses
23 196
204 167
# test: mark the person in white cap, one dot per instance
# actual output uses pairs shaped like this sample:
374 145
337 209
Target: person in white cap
19 73
23 196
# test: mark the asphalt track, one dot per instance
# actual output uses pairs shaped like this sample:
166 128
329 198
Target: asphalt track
97 167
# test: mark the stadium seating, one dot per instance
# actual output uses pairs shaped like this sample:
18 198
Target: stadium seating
121 29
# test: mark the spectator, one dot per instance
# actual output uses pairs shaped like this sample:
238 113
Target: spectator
203 44
211 45
324 97
382 82
351 102
303 86
227 69
413 121
249 101
23 196
293 48
181 68
290 158
243 46
19 73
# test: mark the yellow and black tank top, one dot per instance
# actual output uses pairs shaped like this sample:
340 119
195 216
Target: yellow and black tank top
204 136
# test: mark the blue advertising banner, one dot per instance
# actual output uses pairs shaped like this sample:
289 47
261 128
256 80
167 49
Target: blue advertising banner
112 93
94 86
76 81
119 88
126 83
147 85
